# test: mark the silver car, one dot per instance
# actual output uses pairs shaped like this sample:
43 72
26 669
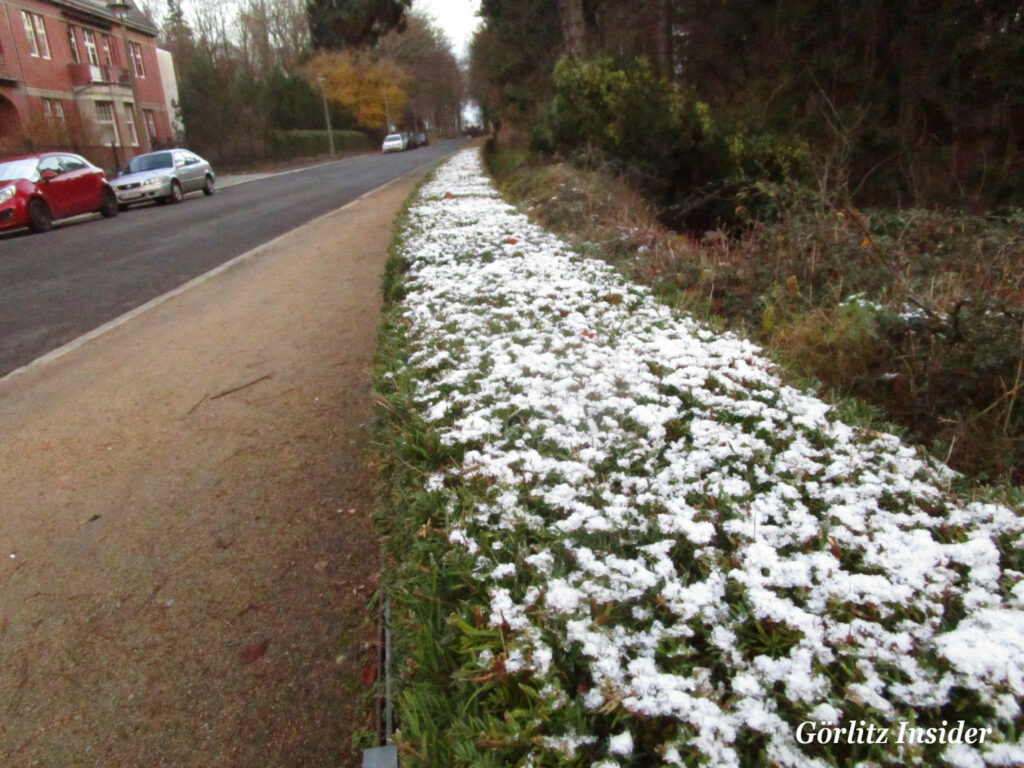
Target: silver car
165 176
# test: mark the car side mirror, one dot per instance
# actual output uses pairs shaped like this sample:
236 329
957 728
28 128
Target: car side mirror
49 175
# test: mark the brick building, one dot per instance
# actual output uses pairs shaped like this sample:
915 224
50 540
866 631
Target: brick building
68 80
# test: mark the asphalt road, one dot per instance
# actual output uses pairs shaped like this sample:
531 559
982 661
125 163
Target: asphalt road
56 286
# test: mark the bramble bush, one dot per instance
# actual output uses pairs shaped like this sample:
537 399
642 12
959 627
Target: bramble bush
622 116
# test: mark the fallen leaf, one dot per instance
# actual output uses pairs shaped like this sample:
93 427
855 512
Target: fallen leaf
511 241
253 652
321 566
449 196
369 673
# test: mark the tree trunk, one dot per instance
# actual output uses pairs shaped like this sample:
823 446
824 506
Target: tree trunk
573 30
666 43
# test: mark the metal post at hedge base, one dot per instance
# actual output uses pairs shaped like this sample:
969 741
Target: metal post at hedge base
381 757
386 756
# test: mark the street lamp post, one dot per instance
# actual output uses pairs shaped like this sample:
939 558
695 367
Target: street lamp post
327 113
120 8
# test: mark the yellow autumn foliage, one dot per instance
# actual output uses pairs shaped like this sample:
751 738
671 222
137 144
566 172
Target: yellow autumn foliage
372 89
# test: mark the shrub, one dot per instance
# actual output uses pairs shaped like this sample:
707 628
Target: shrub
667 142
625 115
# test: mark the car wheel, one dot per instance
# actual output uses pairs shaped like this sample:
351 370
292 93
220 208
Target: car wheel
176 193
208 188
109 206
39 217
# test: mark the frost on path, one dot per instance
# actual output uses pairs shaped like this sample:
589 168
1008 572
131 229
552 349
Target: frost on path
672 538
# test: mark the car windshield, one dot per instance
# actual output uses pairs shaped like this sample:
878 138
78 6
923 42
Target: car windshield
152 162
393 137
20 169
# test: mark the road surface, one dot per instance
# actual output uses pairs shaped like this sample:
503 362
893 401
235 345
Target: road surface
56 286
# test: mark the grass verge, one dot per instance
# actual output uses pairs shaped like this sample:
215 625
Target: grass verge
616 538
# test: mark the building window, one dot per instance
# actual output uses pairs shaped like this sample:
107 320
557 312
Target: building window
140 70
107 123
90 47
35 31
129 120
30 33
150 118
111 52
53 111
73 45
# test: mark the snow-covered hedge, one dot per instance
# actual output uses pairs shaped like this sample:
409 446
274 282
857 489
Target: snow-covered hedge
656 553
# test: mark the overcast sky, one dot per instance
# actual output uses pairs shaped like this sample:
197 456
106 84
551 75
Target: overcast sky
456 17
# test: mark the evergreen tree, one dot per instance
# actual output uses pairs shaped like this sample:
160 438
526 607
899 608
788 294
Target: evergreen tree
512 59
335 24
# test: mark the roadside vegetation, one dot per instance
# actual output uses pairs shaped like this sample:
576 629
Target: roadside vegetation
647 508
614 536
867 234
918 313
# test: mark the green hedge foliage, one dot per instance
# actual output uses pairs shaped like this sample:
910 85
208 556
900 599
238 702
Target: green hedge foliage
289 144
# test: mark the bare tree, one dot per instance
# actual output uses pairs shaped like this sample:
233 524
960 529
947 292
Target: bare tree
273 34
436 83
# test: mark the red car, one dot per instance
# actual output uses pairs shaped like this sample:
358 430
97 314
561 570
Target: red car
36 190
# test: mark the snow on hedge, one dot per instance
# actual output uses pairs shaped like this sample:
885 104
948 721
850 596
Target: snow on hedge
670 536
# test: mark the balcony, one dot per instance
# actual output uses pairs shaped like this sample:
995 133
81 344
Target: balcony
6 73
90 74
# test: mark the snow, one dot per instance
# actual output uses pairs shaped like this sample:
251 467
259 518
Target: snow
656 465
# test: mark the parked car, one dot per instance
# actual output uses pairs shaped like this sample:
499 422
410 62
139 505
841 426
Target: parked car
393 142
36 190
165 176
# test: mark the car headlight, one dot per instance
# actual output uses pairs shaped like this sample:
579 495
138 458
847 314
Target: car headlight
7 193
154 182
